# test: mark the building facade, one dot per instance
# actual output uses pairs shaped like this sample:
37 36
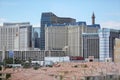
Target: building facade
36 37
68 37
16 36
117 50
75 38
90 45
47 19
56 37
37 55
107 42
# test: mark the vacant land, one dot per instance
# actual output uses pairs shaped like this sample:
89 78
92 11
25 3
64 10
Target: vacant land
66 71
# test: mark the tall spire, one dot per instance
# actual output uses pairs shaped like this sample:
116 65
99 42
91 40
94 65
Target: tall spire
93 18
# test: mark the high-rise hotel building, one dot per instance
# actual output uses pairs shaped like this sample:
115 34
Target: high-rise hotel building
61 36
47 19
75 38
91 45
16 36
107 42
68 36
56 37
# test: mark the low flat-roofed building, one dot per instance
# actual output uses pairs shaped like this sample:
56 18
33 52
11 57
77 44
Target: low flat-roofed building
36 55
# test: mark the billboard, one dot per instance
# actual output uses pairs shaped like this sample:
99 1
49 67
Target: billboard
11 54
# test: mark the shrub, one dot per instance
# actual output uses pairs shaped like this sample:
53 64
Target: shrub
75 66
49 66
8 76
0 68
26 65
84 65
36 68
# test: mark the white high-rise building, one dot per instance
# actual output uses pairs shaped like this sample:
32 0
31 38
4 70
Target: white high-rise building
16 36
107 42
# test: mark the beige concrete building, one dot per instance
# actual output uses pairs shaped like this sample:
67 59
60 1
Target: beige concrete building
56 37
69 37
117 50
75 39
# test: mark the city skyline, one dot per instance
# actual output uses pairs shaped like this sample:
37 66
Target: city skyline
107 12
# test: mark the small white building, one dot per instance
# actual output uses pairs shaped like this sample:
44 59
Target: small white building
57 59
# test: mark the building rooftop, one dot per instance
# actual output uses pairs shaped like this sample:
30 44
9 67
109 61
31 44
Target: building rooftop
90 34
108 30
94 25
80 23
15 24
69 24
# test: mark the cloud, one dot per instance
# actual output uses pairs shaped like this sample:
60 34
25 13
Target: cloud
2 20
111 24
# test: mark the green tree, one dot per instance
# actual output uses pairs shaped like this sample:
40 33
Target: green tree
18 61
30 61
9 61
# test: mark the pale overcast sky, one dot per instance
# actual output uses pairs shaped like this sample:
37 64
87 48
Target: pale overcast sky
107 12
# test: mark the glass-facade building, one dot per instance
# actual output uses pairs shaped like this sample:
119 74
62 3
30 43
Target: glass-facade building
47 19
36 30
36 37
107 42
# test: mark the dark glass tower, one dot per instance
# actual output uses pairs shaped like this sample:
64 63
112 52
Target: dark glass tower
36 37
47 19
